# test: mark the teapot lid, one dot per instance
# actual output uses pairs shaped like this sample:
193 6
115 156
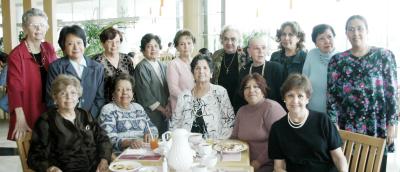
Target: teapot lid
180 131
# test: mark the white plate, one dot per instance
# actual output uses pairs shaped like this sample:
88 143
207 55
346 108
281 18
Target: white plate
148 169
230 146
124 166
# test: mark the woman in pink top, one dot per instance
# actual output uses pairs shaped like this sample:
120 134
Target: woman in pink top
179 76
254 121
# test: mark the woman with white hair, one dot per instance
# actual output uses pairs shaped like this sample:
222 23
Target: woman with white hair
228 61
27 72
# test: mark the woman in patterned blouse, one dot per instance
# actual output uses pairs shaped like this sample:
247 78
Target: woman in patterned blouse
206 108
362 87
125 122
113 61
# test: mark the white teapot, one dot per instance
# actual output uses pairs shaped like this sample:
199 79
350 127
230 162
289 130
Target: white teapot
180 155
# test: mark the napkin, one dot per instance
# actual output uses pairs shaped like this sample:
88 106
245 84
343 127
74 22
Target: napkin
140 157
139 154
231 156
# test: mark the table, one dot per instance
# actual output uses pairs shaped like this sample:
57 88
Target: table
235 166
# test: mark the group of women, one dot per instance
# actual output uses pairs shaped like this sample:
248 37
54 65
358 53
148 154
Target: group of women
289 119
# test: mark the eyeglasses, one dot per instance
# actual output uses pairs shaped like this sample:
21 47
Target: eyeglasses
357 28
64 94
226 39
37 25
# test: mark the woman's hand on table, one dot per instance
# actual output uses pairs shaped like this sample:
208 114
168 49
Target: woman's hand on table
132 143
103 166
53 169
146 138
136 144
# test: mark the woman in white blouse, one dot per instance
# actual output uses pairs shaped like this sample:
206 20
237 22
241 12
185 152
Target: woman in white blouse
206 108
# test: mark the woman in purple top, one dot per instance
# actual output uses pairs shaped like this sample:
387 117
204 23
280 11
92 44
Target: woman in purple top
254 121
362 87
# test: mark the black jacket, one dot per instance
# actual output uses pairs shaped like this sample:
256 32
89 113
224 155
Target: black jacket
273 75
71 147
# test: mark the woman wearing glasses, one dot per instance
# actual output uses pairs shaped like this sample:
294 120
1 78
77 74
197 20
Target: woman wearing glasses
27 72
68 138
362 87
228 61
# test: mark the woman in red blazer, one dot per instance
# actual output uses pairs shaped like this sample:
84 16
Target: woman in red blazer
27 73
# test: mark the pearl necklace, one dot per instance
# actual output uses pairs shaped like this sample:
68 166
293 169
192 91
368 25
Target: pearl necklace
251 69
296 125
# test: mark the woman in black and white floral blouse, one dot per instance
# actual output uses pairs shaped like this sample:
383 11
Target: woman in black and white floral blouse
206 108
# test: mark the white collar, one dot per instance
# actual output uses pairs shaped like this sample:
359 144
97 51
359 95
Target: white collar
81 62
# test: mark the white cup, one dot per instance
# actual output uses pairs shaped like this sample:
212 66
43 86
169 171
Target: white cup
199 168
195 138
210 161
205 149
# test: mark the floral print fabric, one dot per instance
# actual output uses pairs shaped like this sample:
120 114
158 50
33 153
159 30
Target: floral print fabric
125 65
362 91
215 107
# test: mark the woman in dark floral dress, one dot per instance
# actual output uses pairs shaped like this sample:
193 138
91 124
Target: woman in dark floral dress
113 61
362 87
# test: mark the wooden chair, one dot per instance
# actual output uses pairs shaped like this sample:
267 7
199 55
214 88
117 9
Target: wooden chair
363 153
23 149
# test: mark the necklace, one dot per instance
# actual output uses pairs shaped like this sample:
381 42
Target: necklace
227 67
34 57
296 125
262 72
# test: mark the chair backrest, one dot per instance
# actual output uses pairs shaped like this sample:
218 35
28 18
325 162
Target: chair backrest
23 149
363 153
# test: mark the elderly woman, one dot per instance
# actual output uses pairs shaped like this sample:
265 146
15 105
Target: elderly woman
304 140
206 108
362 87
228 61
179 77
125 122
316 65
113 61
271 71
27 69
254 121
72 41
151 86
291 44
68 138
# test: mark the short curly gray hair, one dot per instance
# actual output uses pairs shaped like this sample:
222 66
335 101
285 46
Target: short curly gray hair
32 12
230 28
61 83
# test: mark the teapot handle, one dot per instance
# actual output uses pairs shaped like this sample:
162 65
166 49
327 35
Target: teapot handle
166 136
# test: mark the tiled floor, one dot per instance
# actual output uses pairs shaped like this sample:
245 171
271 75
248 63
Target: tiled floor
8 163
13 164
